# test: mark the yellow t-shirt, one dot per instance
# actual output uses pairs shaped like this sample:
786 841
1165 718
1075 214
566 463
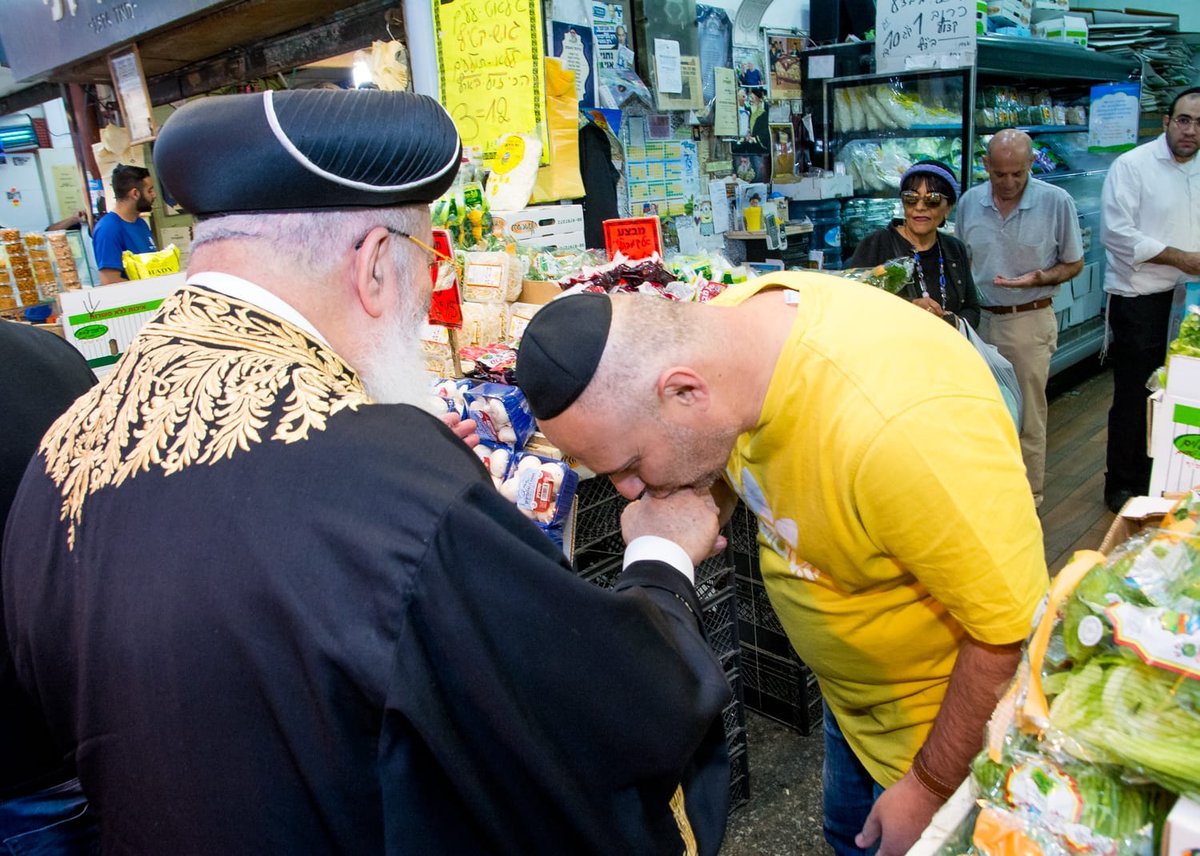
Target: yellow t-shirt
893 508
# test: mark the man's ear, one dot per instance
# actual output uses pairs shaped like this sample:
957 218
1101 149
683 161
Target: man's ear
367 275
683 386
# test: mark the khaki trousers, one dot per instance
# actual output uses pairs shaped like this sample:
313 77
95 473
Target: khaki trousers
1027 340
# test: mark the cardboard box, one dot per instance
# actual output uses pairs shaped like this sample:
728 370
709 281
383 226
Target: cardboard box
1175 430
817 187
1065 28
1135 515
543 226
1009 12
1181 836
102 322
538 292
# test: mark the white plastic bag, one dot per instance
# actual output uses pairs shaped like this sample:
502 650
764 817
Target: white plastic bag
1002 371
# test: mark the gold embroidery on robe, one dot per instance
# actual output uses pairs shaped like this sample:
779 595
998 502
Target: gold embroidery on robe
685 826
202 381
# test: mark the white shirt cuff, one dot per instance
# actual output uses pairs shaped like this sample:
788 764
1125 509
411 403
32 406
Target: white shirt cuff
656 549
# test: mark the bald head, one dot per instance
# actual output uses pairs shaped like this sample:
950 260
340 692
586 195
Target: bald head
1008 161
648 334
1010 140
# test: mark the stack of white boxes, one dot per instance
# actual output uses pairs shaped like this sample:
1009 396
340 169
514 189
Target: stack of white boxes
1174 428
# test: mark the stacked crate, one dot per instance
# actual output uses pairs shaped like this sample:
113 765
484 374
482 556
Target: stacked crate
776 682
599 549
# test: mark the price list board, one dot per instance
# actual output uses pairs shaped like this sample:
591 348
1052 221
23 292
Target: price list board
490 73
914 34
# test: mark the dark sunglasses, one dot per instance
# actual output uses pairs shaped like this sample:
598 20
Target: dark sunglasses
931 200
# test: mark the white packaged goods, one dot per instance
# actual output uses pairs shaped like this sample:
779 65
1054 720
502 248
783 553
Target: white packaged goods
1175 430
543 225
1067 28
492 276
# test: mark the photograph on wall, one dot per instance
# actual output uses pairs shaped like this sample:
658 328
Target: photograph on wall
783 65
753 168
573 48
783 150
754 134
748 63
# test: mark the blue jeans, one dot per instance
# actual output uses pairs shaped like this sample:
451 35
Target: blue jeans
849 792
52 822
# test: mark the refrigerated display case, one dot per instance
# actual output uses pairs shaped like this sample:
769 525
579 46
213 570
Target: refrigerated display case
875 126
881 124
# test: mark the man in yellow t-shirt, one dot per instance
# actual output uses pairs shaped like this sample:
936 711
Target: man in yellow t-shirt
899 541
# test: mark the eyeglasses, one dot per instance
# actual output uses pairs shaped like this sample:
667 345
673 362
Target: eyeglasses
437 254
932 200
1185 121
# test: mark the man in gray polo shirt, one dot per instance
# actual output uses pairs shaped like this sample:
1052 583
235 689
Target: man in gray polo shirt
1023 237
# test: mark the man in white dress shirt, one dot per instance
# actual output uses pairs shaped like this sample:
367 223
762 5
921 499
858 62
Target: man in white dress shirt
1151 234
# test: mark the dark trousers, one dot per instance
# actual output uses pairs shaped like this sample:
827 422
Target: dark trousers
849 792
1139 346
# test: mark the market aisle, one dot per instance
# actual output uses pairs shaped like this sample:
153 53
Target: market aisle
1073 513
783 817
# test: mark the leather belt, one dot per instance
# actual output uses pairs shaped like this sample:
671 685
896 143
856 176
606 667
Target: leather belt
1020 307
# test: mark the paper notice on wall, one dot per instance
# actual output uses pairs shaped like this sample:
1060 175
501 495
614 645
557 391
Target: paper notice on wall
68 190
666 62
725 120
490 72
719 197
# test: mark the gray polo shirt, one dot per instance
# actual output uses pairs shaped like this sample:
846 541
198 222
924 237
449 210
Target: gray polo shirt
1042 231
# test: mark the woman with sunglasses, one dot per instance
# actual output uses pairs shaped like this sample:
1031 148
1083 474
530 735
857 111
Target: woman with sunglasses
941 279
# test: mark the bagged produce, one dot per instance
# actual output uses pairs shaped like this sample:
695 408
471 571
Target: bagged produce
891 276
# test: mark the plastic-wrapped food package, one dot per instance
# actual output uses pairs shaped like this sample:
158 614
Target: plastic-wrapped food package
483 323
497 459
891 276
1100 731
501 414
491 277
541 488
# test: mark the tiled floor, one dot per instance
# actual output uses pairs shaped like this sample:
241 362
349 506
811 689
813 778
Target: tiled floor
783 817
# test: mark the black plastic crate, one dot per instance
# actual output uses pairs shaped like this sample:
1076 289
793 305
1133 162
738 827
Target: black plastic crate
719 616
782 688
758 623
734 714
743 532
739 778
714 577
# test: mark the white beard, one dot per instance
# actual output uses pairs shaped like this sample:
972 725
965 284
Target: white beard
392 367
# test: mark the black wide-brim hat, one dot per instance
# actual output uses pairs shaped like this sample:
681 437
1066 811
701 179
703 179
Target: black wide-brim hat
307 149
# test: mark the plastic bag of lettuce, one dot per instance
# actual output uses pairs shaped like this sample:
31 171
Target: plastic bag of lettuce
891 276
1101 728
1122 673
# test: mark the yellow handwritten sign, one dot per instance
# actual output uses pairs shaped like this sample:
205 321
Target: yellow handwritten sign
490 73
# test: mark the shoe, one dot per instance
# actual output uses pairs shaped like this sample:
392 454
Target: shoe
1116 499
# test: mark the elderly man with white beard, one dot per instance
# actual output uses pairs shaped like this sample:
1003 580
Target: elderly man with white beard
267 606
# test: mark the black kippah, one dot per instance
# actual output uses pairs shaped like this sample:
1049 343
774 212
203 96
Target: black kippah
307 149
560 351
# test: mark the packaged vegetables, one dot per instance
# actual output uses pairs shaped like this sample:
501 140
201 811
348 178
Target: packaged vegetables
891 276
1100 732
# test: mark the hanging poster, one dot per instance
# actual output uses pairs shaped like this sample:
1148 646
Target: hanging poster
490 73
716 51
573 48
1113 118
783 65
725 109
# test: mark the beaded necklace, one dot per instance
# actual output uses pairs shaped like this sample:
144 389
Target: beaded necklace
920 271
